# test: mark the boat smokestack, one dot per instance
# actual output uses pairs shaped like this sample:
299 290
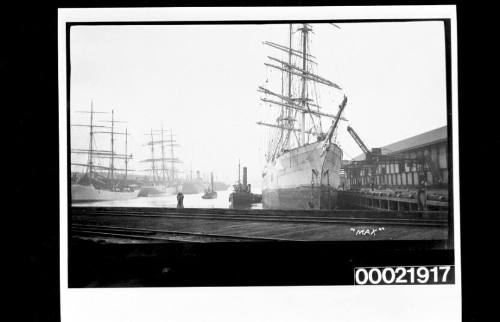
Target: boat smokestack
244 176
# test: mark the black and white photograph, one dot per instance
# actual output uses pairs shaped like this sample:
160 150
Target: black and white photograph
259 148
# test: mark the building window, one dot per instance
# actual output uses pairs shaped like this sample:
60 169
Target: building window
443 154
434 154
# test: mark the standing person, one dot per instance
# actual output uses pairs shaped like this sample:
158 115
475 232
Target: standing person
180 200
422 196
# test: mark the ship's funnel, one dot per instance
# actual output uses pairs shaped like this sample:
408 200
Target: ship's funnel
244 176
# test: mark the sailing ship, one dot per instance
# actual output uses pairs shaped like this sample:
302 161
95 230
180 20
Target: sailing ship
101 182
302 169
210 193
161 180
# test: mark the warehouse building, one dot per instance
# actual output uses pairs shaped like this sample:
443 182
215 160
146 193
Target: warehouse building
431 145
402 168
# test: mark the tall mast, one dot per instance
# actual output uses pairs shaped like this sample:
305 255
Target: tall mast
126 154
304 83
289 111
153 169
290 64
162 156
300 106
172 155
112 160
92 152
91 147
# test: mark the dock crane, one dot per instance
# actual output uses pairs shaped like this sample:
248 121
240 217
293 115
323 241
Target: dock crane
376 155
360 143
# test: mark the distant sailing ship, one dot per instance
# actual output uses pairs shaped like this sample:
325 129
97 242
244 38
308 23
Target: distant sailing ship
161 180
302 168
98 182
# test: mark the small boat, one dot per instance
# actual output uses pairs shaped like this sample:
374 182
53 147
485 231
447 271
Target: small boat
210 193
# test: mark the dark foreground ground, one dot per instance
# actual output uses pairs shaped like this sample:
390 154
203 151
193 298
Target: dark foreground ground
168 247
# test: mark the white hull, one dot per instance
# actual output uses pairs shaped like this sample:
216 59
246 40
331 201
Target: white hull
303 178
86 193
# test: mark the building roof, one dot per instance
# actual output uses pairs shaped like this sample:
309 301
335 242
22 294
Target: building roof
424 139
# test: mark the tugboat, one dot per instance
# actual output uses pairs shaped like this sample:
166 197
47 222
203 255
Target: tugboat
242 195
210 193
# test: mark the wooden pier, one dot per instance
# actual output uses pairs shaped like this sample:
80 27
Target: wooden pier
122 225
393 201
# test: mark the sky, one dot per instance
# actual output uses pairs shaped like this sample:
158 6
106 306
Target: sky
201 81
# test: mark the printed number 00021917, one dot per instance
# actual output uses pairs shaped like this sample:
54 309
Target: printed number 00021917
404 275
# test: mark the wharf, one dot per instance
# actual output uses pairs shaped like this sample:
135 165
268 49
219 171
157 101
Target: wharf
137 247
393 200
159 225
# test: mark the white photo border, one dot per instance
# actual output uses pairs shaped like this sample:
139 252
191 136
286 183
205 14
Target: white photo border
304 303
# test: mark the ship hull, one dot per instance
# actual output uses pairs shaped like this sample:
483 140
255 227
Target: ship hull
244 199
210 195
192 187
88 193
150 191
303 178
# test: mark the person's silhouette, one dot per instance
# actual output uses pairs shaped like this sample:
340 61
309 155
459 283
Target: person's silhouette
180 200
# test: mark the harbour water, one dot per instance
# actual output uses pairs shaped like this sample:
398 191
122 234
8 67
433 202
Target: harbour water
190 201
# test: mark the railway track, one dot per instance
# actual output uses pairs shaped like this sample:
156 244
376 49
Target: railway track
263 212
158 234
285 217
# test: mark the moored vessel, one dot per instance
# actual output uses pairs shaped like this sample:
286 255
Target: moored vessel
210 193
161 180
193 185
101 182
302 169
242 196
